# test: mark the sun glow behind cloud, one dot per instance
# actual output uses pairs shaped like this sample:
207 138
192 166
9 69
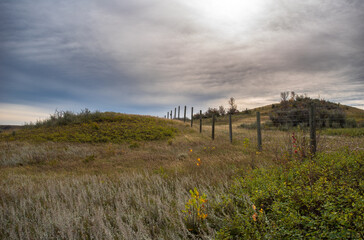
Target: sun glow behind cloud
228 18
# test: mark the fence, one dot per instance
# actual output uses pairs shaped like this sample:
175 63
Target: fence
310 118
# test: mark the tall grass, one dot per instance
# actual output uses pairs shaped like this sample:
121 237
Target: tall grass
115 191
98 207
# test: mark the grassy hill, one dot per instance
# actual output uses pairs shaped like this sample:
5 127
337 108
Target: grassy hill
97 127
249 116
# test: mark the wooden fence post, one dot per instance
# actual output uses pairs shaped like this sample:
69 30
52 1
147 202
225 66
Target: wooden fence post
167 115
259 132
230 129
312 123
184 118
175 110
178 111
200 121
213 126
171 114
191 116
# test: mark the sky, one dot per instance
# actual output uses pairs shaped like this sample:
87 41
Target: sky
149 56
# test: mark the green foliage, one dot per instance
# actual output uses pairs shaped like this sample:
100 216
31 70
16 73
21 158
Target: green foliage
315 199
350 132
95 127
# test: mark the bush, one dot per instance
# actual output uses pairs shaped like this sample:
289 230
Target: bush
315 199
350 123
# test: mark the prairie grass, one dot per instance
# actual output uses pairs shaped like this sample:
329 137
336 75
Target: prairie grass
62 190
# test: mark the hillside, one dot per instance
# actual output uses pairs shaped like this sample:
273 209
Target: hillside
87 127
249 116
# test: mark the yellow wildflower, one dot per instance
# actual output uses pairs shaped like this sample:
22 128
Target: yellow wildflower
198 159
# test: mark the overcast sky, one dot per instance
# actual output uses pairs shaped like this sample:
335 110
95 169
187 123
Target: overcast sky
148 56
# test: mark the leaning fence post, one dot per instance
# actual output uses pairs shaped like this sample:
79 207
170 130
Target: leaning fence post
200 121
178 111
230 129
259 132
184 117
213 126
312 129
191 116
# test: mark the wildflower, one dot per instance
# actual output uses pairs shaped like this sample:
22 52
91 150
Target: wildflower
254 216
257 153
198 159
261 210
190 150
213 148
198 164
254 207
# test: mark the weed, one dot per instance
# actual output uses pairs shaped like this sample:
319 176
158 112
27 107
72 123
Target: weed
196 211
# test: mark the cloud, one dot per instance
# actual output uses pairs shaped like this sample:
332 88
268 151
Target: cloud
140 56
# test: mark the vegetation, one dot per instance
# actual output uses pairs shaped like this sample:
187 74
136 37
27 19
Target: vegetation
183 186
233 106
351 132
87 127
295 111
314 199
220 111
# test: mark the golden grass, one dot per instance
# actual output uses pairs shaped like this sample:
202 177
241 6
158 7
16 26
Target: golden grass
115 191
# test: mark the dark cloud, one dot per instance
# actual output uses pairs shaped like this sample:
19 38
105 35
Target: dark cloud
147 56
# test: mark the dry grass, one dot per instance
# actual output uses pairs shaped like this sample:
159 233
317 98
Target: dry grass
112 191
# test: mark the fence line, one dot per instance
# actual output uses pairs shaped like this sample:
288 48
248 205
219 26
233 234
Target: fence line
310 117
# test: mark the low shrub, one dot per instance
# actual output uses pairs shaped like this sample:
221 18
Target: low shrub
320 198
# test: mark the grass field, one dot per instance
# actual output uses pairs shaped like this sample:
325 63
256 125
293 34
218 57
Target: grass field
140 189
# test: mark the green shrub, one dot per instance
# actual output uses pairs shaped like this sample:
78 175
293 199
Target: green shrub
315 199
350 123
